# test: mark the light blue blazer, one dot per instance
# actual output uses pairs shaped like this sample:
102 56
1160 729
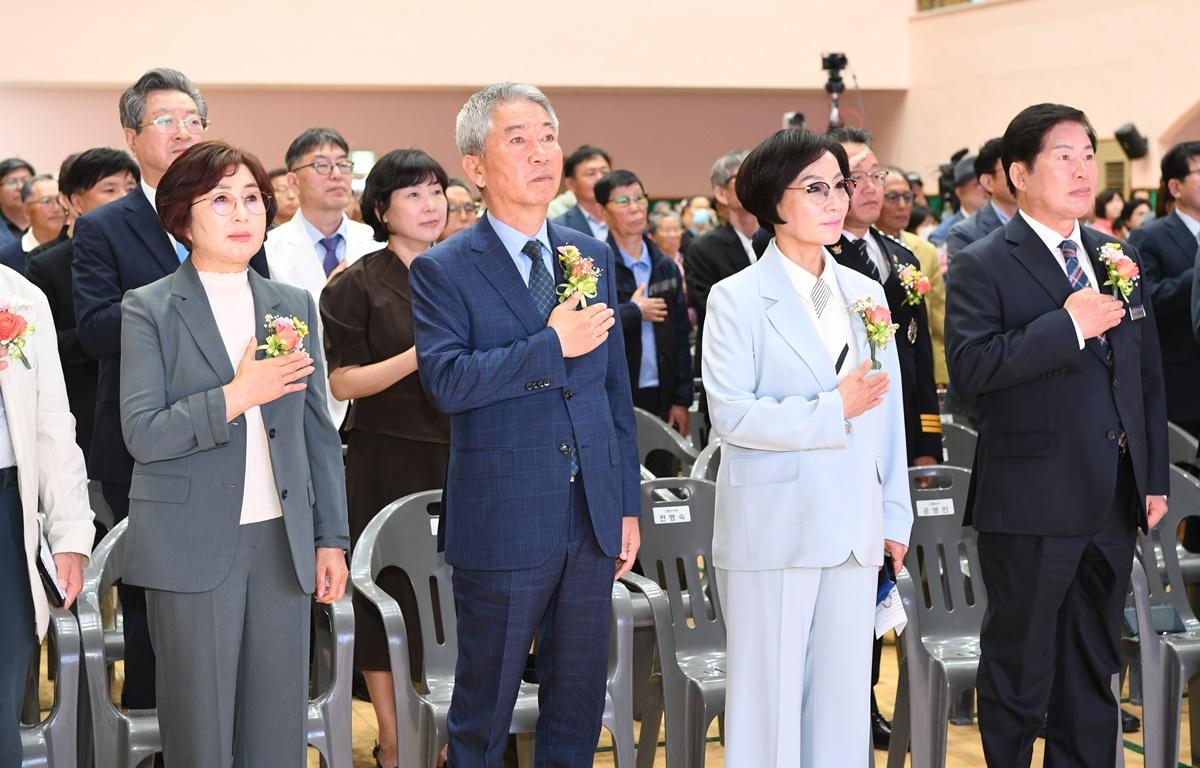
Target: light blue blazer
794 489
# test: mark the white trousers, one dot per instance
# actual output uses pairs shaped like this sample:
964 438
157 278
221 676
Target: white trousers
799 666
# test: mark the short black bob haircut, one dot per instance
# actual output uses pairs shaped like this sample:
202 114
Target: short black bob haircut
398 169
773 166
613 179
1026 133
582 155
91 166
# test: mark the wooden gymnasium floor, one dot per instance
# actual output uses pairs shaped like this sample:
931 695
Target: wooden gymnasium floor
964 748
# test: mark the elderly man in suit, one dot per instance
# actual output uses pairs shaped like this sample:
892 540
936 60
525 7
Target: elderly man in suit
320 240
541 500
1072 450
41 476
119 247
581 170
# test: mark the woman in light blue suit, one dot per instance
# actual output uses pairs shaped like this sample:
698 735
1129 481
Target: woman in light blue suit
813 486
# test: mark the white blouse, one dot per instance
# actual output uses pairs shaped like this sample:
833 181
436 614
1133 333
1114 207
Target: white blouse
233 309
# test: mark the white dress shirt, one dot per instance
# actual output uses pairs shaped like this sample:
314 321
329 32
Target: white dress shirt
882 262
834 321
233 309
151 193
746 244
1052 240
29 241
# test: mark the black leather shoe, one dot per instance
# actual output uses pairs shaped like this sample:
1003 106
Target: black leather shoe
881 732
1130 722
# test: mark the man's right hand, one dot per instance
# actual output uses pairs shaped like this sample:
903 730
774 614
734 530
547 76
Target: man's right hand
261 381
1094 312
579 332
654 310
860 393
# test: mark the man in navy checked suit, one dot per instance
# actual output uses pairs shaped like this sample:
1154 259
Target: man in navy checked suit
540 506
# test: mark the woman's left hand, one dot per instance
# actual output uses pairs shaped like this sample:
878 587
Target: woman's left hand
897 551
331 574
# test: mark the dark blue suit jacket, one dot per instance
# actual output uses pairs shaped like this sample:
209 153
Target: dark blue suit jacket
573 219
118 247
1168 255
1050 413
516 405
975 227
12 255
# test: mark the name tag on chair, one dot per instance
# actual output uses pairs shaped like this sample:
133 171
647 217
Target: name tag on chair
935 507
668 515
1137 312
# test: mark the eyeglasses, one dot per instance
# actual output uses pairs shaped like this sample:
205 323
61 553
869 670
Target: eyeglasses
166 124
895 197
879 177
818 191
465 208
223 203
626 201
325 167
16 183
45 201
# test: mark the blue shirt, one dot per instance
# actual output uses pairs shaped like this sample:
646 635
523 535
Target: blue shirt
648 370
513 241
1004 218
315 235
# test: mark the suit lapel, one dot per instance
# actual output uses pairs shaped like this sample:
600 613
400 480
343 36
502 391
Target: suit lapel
187 292
856 323
142 219
1183 237
791 320
1092 241
498 269
267 302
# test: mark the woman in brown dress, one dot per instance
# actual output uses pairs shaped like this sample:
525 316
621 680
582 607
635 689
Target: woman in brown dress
398 442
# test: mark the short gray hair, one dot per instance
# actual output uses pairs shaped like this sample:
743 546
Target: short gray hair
27 187
474 121
726 166
133 100
656 220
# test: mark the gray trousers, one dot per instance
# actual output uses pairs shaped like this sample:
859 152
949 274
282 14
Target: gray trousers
232 677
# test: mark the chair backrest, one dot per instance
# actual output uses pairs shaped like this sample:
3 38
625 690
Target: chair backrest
1158 553
54 741
1181 447
950 603
105 567
708 462
676 553
403 535
958 444
653 434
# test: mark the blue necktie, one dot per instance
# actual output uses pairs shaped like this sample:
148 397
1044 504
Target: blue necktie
180 251
541 284
1079 281
541 288
330 244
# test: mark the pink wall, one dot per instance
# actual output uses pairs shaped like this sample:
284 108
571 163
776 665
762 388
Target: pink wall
669 138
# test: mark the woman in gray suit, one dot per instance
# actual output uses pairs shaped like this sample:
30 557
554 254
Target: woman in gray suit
813 486
237 507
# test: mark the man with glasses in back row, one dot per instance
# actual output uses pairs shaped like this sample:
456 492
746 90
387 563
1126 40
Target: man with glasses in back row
46 216
14 172
118 247
320 240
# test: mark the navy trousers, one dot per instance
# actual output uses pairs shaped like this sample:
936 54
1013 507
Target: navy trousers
566 601
16 627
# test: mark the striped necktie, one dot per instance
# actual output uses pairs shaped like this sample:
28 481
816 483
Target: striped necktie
1079 280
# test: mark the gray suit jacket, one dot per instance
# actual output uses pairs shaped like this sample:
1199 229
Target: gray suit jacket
185 497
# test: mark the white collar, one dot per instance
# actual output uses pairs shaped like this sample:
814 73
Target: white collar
150 193
29 241
803 280
1051 238
315 234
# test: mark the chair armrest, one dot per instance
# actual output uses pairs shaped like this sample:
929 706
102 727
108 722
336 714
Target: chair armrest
65 629
620 644
341 630
1150 647
94 646
647 591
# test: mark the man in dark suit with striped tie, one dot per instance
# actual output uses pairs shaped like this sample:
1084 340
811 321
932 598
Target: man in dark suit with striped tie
540 506
1072 453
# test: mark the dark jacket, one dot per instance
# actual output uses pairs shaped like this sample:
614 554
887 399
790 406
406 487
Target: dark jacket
574 219
1168 253
118 247
975 227
1051 414
709 259
670 336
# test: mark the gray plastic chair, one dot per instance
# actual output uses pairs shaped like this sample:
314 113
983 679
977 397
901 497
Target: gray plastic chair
328 728
403 535
689 632
653 434
1181 446
939 648
708 462
958 444
53 741
1169 659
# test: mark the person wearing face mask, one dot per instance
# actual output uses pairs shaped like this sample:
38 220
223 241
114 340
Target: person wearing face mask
398 443
237 513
